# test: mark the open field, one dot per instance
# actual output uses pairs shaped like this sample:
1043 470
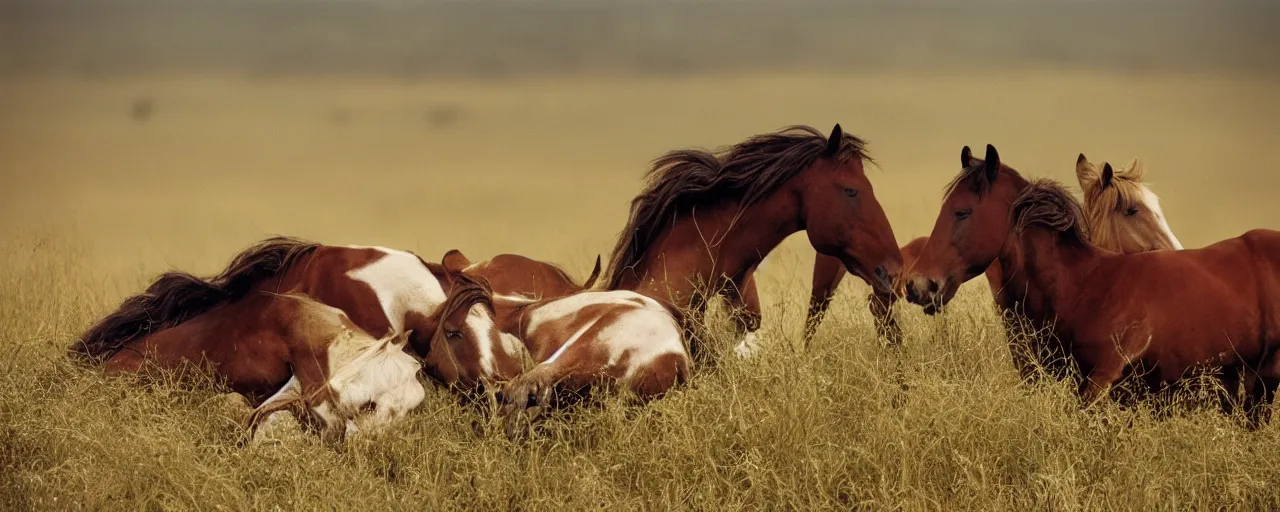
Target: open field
97 201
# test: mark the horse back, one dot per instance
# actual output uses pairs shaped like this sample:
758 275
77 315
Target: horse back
512 274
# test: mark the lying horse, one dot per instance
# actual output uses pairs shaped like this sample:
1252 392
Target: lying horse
236 326
1157 315
581 340
1122 213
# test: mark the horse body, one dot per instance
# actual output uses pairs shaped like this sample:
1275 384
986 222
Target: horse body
1159 314
235 325
707 220
579 339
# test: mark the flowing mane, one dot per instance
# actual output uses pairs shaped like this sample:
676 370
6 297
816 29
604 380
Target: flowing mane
1046 203
176 297
746 172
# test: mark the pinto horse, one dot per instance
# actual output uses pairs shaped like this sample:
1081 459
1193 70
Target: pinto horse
579 340
384 291
1122 212
1156 315
707 219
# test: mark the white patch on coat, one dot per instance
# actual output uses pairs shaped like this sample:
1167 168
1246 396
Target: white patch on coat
402 284
641 331
1152 201
480 322
749 345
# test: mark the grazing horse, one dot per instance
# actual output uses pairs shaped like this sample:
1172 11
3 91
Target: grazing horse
384 291
1156 315
584 340
706 220
1123 215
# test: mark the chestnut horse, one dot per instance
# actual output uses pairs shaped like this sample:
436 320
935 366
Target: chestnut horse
384 291
580 340
513 274
707 219
1155 315
1123 214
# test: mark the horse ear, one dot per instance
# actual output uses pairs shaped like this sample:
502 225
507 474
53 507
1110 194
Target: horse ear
833 142
992 163
1136 170
1107 174
966 157
1086 173
454 261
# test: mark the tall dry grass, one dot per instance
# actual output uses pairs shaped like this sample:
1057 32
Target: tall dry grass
98 202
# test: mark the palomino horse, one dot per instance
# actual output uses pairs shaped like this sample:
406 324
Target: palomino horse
706 220
1123 214
181 316
1157 315
582 339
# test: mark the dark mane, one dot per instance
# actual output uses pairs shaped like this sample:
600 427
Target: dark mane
466 291
746 172
176 297
1046 203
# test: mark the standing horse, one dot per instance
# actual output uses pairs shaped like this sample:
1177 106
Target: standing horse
706 220
1157 315
1123 214
183 317
581 340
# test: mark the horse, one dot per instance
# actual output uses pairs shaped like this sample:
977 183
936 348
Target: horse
184 317
707 219
583 340
1156 315
511 274
1123 214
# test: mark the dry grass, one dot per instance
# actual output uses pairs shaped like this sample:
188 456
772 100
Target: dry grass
99 203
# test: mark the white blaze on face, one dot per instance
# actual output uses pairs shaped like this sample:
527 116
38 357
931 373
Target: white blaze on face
481 328
1152 202
402 284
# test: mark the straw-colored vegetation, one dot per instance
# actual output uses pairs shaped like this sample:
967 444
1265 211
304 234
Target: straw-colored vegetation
99 198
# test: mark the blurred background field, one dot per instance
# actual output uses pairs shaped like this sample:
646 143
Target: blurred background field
136 136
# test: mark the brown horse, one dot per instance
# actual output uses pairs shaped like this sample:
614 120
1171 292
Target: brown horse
513 274
706 220
183 317
1124 215
1156 315
581 340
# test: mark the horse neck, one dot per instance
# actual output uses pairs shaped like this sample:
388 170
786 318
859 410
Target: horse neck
1040 272
711 244
512 317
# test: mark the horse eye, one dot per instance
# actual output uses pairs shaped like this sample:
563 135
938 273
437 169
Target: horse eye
851 192
963 214
1131 212
453 335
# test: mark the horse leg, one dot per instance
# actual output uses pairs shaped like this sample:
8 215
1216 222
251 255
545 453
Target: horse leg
828 271
744 306
1263 397
1103 374
694 330
881 306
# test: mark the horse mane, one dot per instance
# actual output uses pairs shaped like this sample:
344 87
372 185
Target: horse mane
1046 203
466 291
746 172
1123 191
176 297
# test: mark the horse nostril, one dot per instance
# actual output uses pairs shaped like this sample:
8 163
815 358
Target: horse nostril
912 296
933 286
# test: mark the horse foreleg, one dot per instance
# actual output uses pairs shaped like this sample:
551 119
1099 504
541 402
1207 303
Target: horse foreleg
828 272
744 305
881 305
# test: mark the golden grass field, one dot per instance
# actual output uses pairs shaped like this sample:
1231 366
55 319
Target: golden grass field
94 204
